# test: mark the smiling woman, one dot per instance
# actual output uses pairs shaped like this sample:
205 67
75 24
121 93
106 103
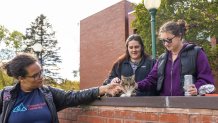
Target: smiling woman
133 62
179 60
27 72
31 101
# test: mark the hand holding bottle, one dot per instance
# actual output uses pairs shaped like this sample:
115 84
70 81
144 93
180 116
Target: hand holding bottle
189 87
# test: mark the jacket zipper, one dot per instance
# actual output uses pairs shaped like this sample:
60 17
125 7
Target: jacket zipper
50 106
7 110
171 77
52 111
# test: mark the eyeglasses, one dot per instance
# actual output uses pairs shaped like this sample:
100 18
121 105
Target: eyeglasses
37 75
167 40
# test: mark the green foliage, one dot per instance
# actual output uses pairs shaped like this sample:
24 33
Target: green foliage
10 43
65 84
3 32
16 38
13 40
213 58
69 85
41 32
49 81
4 79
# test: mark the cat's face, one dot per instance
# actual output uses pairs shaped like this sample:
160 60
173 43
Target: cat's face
128 83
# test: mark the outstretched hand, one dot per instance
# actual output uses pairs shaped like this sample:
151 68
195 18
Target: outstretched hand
111 89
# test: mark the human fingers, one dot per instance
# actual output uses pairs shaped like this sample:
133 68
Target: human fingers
120 89
115 80
115 88
192 90
190 87
113 92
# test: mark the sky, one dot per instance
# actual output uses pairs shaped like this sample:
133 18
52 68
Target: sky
64 15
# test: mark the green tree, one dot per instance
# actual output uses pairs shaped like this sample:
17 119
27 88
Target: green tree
13 43
5 79
11 39
64 84
10 43
3 33
41 32
69 85
16 39
50 81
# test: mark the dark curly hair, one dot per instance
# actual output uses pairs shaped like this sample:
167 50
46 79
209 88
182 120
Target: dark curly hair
17 66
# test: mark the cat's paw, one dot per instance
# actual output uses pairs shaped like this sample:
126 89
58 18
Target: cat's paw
123 95
133 94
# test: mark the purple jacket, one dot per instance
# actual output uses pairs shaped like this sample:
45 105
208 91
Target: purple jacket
204 76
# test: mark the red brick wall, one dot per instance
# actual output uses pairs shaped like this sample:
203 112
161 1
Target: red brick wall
104 114
102 40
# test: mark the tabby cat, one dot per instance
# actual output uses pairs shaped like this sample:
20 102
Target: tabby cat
129 85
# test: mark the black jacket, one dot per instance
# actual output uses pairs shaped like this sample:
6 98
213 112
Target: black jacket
56 99
125 69
188 57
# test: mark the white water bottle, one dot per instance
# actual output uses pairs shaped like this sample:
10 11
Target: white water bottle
188 80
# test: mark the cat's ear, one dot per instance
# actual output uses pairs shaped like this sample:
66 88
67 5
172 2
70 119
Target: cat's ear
133 76
122 77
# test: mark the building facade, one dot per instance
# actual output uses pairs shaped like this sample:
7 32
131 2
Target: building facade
102 41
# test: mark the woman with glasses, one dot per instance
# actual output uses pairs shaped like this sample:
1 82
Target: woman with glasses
180 59
133 62
29 101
